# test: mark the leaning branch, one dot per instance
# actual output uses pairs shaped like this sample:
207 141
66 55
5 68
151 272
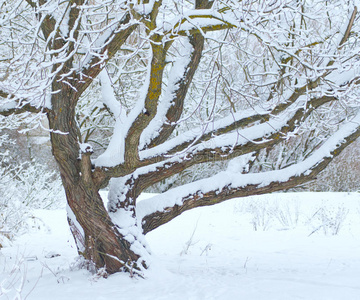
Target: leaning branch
178 95
238 122
160 170
151 102
240 185
19 110
346 34
16 109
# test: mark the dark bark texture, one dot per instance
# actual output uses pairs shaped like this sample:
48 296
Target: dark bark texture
98 239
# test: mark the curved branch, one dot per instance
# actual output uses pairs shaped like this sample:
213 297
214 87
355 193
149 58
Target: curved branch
151 102
144 178
177 103
240 185
20 110
238 121
16 109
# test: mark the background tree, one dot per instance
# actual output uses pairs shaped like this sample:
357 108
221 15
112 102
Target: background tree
137 92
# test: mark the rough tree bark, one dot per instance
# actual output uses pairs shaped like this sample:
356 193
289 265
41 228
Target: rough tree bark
98 238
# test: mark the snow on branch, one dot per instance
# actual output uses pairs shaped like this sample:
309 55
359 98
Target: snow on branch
108 96
225 147
224 132
172 99
123 146
10 106
198 20
13 109
229 184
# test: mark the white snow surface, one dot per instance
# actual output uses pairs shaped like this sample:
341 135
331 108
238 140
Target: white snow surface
207 253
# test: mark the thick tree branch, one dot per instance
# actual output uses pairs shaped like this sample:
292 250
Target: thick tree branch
20 110
151 101
165 167
160 171
349 26
177 103
346 33
16 109
293 177
243 121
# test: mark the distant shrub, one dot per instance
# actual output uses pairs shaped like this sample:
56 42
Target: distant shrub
27 186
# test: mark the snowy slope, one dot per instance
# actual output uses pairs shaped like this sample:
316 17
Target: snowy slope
279 246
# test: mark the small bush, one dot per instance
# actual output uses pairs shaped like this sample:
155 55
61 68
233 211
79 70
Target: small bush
28 187
330 221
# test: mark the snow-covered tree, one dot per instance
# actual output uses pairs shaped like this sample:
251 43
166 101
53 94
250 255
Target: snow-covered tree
138 91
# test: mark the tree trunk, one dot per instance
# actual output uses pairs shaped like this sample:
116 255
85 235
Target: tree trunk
98 239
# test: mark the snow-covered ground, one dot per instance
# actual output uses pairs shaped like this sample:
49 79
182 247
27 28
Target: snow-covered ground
279 246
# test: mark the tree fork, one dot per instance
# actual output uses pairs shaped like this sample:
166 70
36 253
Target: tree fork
98 239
